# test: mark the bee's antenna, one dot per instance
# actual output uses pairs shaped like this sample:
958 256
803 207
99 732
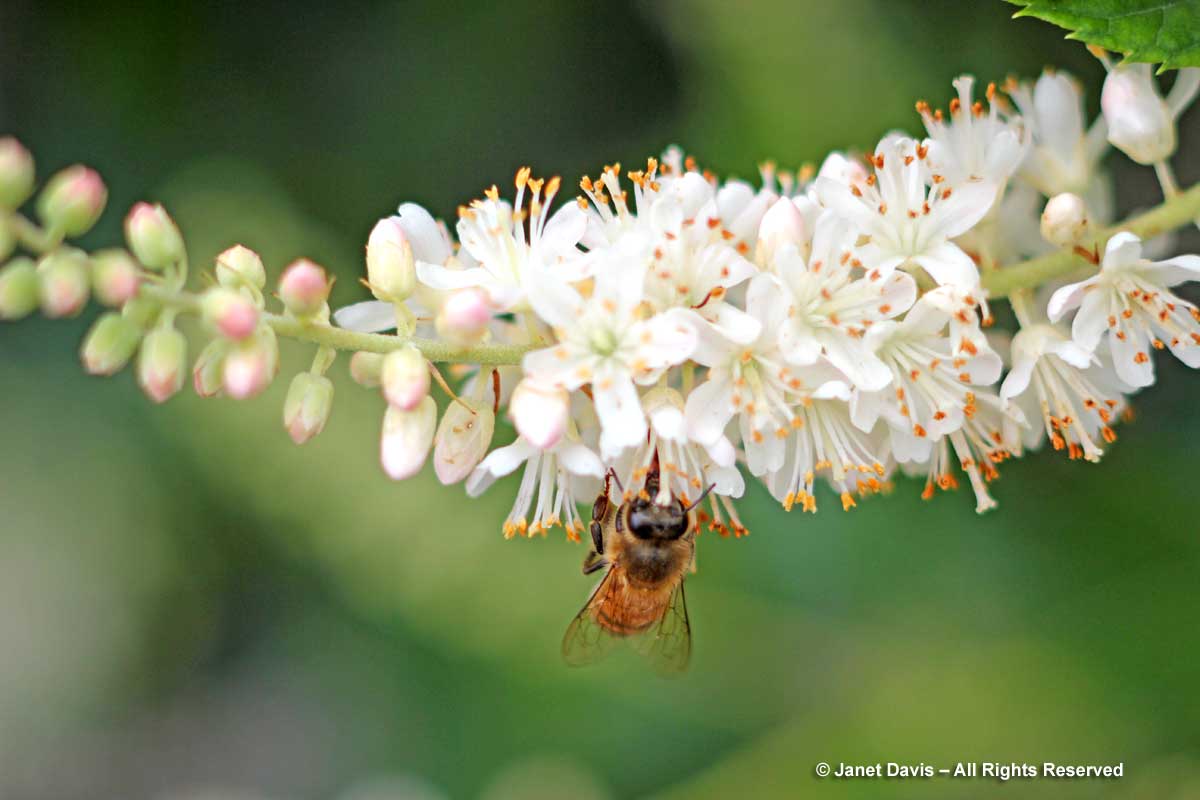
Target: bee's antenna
700 499
612 475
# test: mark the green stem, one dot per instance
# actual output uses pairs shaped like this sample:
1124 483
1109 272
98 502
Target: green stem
32 238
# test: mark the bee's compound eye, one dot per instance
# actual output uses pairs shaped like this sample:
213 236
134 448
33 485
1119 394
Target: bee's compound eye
598 537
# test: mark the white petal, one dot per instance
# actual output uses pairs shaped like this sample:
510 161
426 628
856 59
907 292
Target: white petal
558 304
946 263
579 460
424 234
709 408
730 322
1091 321
1067 298
369 316
564 230
560 366
1173 271
666 339
497 464
1123 250
620 410
435 276
1135 370
798 343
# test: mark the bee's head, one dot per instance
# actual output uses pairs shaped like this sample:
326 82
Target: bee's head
649 520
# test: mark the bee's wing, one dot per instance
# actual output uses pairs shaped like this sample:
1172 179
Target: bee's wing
586 641
668 644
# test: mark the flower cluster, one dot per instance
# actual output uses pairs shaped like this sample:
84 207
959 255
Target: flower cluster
830 326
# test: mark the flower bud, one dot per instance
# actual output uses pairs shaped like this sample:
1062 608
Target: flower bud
19 289
405 378
153 236
366 368
142 311
16 174
64 284
239 266
162 364
303 288
115 277
782 224
209 368
110 343
230 312
407 436
72 200
1139 121
539 412
464 317
250 365
391 271
306 410
1064 220
462 438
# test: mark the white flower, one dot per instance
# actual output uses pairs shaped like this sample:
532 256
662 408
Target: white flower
603 341
1129 298
974 144
1064 158
540 413
911 214
829 308
511 246
546 485
1054 378
1140 122
407 437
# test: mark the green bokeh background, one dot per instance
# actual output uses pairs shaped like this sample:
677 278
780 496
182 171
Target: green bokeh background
190 606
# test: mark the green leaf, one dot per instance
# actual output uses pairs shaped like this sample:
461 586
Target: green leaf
1152 31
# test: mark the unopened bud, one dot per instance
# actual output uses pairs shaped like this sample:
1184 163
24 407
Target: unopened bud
306 410
366 368
405 378
111 342
16 174
153 236
208 371
64 283
539 412
73 200
1139 121
142 311
239 266
303 288
391 271
230 312
162 364
782 224
19 290
407 437
115 277
464 317
1064 220
463 437
250 365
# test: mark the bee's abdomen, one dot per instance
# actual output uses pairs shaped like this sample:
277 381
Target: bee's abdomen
626 621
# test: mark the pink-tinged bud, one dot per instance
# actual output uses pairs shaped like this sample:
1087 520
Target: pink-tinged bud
405 378
306 410
20 289
366 369
1139 121
539 412
1064 220
16 173
407 437
240 266
304 288
782 224
464 317
115 277
64 284
391 270
109 345
73 200
250 365
230 312
463 437
209 369
162 364
153 236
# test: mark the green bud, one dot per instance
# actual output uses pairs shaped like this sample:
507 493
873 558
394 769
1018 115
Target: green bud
153 236
142 311
209 368
16 174
162 364
110 344
18 289
309 400
115 277
239 266
72 200
64 285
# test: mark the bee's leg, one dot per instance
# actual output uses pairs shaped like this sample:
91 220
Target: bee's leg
593 562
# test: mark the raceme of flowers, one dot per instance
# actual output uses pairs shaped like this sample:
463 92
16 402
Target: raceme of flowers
826 327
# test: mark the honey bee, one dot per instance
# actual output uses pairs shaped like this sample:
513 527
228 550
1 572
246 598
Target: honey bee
647 546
